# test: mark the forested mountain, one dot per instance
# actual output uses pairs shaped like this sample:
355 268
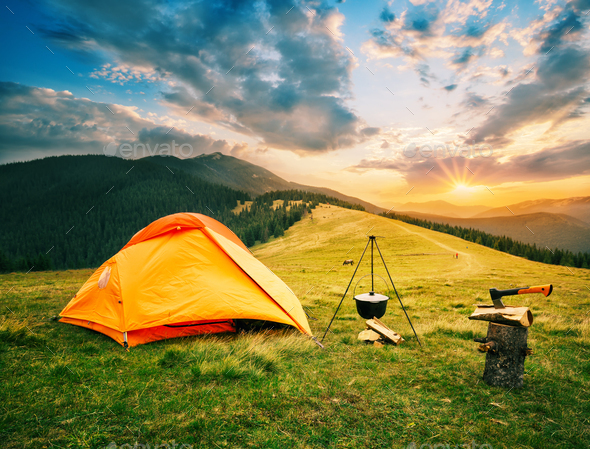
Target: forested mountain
556 256
540 229
77 211
440 207
239 174
577 207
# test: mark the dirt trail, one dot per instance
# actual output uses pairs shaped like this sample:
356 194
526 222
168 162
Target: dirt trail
469 259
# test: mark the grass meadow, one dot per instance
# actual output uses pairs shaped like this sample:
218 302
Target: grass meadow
63 386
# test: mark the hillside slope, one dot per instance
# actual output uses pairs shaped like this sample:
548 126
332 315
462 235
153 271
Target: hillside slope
442 208
310 255
239 174
544 229
80 210
577 207
279 389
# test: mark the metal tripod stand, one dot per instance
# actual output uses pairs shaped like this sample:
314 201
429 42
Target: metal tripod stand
372 241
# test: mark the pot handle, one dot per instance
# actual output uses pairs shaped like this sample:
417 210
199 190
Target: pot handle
357 282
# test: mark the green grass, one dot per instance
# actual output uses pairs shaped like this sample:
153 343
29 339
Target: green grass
65 386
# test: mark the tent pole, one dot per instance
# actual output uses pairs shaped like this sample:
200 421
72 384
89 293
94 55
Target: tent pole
395 290
343 296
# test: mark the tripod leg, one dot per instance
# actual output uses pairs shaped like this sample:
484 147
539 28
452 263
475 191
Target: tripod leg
395 290
343 296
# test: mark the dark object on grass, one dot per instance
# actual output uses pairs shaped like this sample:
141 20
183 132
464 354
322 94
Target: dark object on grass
245 326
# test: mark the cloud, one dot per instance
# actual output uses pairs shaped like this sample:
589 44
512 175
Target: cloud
556 96
462 59
247 66
475 101
423 70
527 104
450 87
421 19
567 26
37 122
370 132
565 68
239 150
558 162
123 74
457 34
386 15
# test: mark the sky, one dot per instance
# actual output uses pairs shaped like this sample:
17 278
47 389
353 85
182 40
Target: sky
471 102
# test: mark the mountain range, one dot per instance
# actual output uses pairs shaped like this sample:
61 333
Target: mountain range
238 174
542 228
441 208
561 223
553 223
577 207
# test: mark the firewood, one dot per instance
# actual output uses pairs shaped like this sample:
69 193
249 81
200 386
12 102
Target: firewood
383 330
369 335
512 316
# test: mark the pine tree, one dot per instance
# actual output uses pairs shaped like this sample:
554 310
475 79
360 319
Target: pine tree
5 263
265 235
250 240
279 231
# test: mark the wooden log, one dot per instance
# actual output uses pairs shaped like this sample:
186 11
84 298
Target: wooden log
384 331
506 351
512 316
369 335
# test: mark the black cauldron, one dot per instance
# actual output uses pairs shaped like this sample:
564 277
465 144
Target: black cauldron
371 305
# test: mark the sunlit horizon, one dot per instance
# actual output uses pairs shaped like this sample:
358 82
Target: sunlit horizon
328 94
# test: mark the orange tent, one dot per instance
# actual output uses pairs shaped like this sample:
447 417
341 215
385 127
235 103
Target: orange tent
184 274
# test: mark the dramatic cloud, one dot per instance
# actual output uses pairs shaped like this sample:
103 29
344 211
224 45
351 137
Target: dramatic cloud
568 26
457 34
560 162
556 96
263 69
37 122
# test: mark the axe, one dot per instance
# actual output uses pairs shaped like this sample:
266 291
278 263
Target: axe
498 294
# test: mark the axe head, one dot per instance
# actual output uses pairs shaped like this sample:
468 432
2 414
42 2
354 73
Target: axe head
497 298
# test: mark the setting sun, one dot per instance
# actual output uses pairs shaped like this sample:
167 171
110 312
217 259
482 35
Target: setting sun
463 189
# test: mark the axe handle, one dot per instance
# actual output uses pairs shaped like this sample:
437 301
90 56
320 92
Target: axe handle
545 289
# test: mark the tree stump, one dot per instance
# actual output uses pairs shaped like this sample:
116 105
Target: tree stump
506 348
